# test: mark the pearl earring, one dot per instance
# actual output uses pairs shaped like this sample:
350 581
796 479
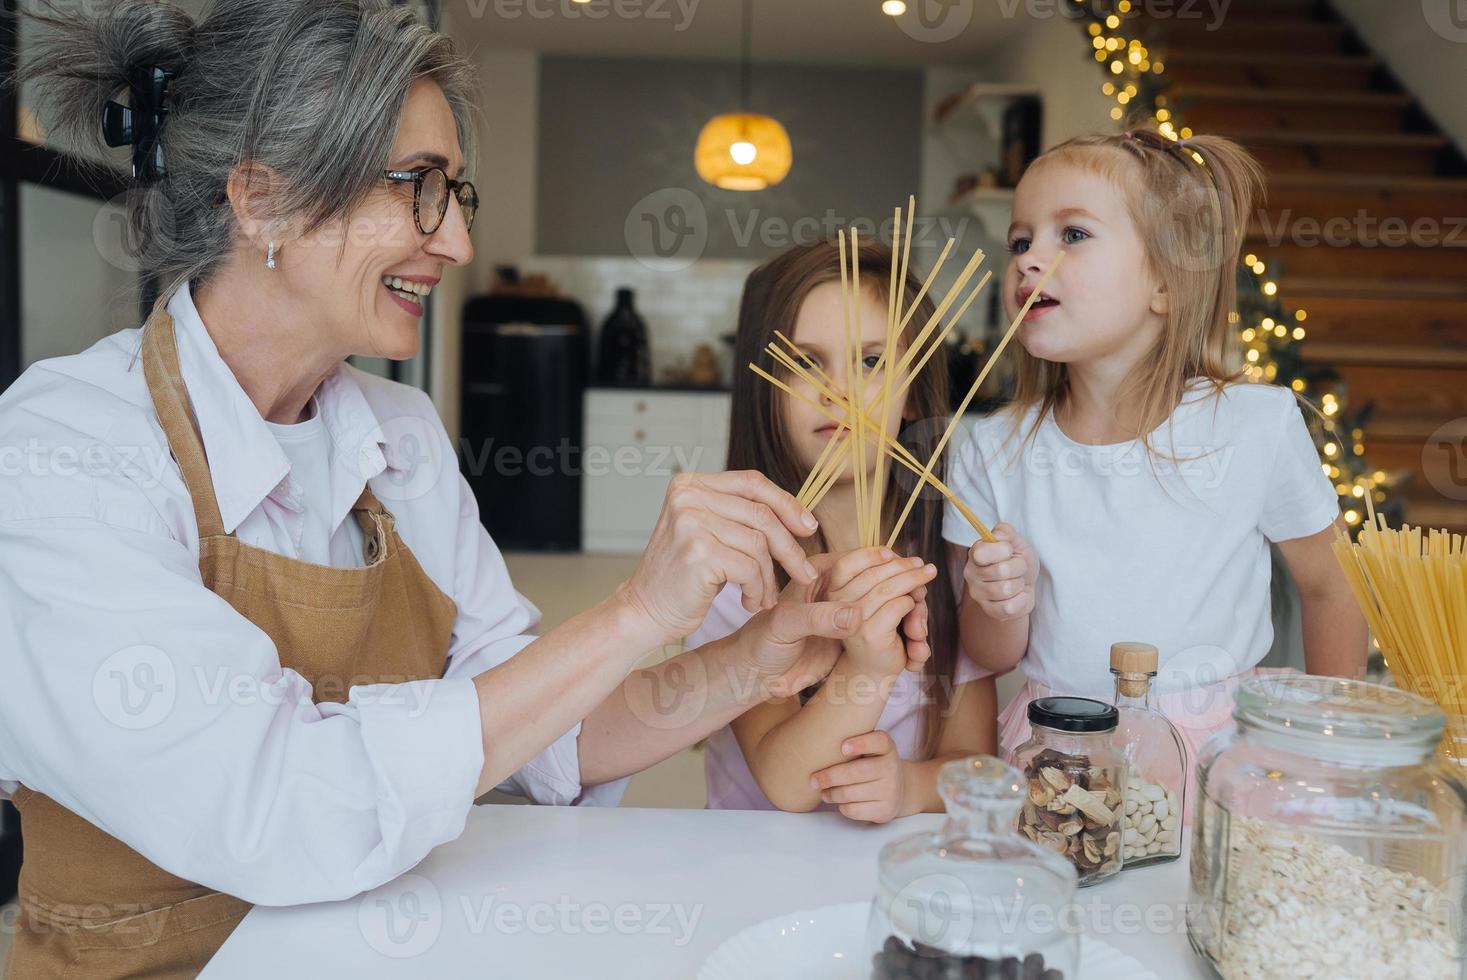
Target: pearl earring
270 255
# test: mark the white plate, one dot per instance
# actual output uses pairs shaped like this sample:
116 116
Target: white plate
829 943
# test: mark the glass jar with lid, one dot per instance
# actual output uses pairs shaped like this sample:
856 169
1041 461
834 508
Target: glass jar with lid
1156 761
1075 777
974 898
1329 838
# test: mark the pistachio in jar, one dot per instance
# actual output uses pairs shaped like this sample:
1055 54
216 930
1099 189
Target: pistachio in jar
1156 760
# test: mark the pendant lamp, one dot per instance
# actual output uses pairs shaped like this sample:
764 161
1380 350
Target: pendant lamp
743 151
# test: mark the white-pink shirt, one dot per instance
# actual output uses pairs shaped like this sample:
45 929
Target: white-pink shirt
731 786
140 700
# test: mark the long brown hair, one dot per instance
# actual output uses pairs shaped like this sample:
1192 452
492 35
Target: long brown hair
758 439
1191 200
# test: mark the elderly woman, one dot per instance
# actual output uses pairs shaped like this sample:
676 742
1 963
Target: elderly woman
253 648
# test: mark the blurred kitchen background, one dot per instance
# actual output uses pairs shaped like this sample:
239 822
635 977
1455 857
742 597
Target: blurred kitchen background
583 358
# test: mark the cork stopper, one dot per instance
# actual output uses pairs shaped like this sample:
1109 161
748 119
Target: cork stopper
1135 663
1133 658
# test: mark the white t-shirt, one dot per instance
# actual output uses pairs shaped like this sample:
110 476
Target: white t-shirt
308 447
1169 553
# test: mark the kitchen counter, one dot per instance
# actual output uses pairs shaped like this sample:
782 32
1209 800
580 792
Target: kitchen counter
532 891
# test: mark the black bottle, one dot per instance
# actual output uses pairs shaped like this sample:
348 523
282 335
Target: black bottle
624 358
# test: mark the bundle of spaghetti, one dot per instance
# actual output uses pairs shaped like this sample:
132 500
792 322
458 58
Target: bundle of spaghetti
876 387
973 393
836 455
1412 588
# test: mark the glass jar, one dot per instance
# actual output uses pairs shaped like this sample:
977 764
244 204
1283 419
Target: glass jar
1156 761
974 898
1454 743
1329 839
1075 776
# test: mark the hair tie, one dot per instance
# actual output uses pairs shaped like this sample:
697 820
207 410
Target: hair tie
141 122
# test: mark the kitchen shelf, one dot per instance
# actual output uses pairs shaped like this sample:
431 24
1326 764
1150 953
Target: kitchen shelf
982 102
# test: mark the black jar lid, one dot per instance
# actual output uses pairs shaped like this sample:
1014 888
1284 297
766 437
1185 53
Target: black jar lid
1080 715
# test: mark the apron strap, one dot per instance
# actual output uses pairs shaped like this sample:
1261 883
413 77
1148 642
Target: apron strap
170 400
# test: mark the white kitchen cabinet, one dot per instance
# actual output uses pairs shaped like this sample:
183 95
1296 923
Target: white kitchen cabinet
634 442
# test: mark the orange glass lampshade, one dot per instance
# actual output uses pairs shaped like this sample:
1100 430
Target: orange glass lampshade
743 151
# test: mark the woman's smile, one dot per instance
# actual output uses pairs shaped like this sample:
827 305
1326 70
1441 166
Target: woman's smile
408 292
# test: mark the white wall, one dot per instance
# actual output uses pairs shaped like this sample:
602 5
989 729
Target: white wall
504 229
1425 47
77 283
1053 56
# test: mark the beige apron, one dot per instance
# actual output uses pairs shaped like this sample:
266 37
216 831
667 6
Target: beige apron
91 907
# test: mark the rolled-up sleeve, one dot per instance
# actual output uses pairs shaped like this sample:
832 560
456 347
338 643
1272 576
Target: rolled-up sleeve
143 702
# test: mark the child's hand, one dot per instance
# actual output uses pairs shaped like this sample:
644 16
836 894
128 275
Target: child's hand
872 787
1000 575
891 594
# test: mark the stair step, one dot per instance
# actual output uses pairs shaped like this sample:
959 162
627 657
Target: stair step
1392 183
1296 289
1220 108
1176 35
1436 496
1439 324
1275 9
1305 252
1335 137
1384 353
1441 514
1435 392
1412 430
1366 200
1266 69
1336 150
1293 96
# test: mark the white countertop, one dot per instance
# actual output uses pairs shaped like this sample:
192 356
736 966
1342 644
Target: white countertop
532 891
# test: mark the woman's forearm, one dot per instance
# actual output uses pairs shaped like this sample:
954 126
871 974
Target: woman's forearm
1336 638
660 710
850 702
540 693
992 645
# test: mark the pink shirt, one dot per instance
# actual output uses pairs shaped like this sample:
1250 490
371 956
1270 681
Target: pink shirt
731 786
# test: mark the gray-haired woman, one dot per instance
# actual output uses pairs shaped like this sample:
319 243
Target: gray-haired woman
254 649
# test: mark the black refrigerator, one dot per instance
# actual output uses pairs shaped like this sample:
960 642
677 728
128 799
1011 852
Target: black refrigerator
523 378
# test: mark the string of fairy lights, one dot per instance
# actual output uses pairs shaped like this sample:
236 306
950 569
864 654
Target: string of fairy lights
1270 332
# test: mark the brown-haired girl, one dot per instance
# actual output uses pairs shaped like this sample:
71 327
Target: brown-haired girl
870 738
1140 482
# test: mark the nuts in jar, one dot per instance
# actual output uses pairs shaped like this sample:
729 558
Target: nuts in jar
1074 809
1151 822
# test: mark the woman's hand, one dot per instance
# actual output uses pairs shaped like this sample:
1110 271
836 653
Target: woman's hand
891 593
795 644
1000 575
874 787
717 528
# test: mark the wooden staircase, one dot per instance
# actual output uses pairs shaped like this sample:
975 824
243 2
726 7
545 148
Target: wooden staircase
1366 220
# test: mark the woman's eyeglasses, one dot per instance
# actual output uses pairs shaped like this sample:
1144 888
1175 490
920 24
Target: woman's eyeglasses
431 190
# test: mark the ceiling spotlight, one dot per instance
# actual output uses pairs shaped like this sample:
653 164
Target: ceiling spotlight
893 8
